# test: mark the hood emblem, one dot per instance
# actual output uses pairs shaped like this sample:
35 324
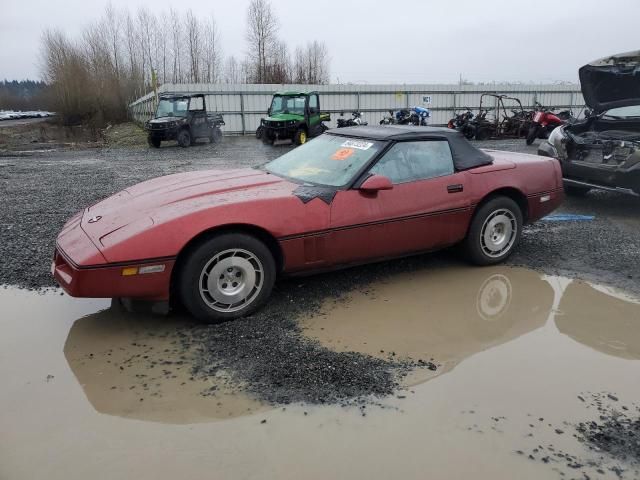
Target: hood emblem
94 219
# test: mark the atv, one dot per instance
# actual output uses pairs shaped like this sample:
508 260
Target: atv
184 118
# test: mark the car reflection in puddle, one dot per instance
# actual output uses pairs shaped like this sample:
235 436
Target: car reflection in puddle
446 315
133 365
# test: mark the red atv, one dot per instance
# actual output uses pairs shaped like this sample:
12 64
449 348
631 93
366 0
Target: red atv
544 121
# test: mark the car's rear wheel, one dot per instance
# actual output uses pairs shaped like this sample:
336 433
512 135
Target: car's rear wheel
494 232
532 134
226 277
184 138
215 136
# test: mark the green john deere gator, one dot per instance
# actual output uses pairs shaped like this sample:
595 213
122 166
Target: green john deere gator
293 116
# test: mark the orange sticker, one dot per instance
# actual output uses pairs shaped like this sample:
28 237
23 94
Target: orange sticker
342 154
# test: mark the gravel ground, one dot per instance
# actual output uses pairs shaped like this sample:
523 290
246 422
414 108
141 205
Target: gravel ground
613 441
267 353
40 191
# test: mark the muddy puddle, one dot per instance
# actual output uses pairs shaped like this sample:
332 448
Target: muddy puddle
90 391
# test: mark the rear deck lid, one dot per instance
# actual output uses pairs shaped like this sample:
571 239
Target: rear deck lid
612 81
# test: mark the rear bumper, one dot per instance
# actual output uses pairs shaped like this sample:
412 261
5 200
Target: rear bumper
542 204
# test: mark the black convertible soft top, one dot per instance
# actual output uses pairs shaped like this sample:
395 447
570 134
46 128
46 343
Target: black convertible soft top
465 155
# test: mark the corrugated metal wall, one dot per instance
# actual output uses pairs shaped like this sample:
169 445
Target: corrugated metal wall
243 105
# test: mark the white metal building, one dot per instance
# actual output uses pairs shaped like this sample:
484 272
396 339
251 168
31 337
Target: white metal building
243 104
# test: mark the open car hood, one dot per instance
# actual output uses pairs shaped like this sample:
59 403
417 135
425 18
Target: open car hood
612 81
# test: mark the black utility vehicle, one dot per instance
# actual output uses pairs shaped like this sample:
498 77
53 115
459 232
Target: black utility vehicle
603 150
184 118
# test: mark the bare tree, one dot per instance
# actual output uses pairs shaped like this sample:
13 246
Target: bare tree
212 52
311 64
262 29
232 71
193 34
176 42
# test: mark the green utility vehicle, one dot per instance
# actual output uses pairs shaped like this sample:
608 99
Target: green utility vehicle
293 116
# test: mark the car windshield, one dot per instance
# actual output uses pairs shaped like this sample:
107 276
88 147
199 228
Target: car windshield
632 111
172 108
289 104
327 160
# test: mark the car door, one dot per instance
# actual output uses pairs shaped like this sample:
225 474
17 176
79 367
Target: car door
427 208
314 115
199 125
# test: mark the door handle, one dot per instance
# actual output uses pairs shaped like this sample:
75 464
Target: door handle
455 188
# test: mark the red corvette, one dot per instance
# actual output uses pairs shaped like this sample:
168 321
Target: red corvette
218 239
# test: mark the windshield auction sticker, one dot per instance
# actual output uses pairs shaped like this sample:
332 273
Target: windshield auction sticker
342 154
360 145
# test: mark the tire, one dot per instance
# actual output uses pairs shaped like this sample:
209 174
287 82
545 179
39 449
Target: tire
259 132
482 134
184 138
153 141
468 133
223 298
532 134
494 231
576 191
300 137
215 136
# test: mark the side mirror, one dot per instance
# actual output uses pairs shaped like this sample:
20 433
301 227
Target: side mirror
376 183
269 112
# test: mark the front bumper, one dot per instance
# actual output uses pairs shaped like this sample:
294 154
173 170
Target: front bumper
164 133
81 270
277 132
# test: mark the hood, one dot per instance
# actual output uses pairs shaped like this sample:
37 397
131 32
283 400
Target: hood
141 205
611 82
166 119
283 117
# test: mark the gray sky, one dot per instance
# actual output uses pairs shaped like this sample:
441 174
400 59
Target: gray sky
391 41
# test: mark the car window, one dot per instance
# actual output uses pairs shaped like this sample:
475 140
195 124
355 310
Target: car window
410 161
632 111
326 160
196 103
313 103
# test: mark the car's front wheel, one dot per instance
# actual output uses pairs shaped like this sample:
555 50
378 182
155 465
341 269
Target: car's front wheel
153 141
226 276
494 231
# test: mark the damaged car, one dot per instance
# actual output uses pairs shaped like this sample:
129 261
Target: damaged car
217 240
603 150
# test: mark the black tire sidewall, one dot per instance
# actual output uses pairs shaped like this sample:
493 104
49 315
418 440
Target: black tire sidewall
153 142
296 138
200 254
472 242
184 138
532 134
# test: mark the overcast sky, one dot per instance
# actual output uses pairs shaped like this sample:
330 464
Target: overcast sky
370 41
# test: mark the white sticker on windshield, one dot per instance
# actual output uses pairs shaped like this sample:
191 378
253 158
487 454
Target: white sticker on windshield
360 145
